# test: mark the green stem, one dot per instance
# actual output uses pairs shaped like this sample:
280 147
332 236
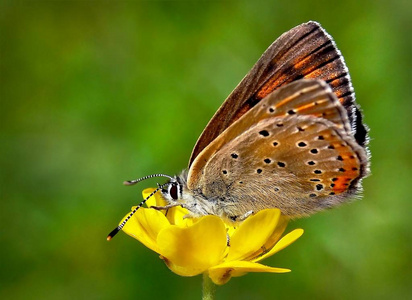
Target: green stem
209 287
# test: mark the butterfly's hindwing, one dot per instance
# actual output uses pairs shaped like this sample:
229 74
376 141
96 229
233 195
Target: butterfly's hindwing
299 164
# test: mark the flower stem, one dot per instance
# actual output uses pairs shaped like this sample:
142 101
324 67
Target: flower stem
209 287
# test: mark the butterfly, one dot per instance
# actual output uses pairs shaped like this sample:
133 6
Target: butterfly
290 136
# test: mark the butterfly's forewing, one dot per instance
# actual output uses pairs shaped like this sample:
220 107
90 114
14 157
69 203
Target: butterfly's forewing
305 51
305 97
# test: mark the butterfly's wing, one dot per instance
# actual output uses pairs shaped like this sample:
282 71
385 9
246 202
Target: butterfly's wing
293 150
305 97
298 173
305 51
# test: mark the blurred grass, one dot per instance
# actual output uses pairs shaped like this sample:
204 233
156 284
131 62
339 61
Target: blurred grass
96 92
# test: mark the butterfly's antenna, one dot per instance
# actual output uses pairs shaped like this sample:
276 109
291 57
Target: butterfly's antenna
118 228
131 182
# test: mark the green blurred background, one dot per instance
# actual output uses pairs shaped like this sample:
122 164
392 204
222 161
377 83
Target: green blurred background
94 93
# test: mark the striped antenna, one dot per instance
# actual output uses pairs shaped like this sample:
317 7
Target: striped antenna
118 228
131 182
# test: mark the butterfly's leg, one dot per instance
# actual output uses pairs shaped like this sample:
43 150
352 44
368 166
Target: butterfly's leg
245 216
165 207
190 215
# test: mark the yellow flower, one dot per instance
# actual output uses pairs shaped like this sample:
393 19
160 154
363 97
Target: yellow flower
193 246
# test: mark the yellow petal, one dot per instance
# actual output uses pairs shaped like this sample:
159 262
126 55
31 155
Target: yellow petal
192 250
155 200
272 240
221 274
145 226
176 214
230 229
252 234
283 243
179 270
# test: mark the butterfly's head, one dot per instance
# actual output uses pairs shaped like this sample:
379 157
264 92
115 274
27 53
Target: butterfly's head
170 188
177 193
173 190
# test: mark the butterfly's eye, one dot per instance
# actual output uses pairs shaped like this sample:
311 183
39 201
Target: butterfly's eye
173 191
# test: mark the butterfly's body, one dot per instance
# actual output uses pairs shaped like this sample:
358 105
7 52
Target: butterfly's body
290 136
294 150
